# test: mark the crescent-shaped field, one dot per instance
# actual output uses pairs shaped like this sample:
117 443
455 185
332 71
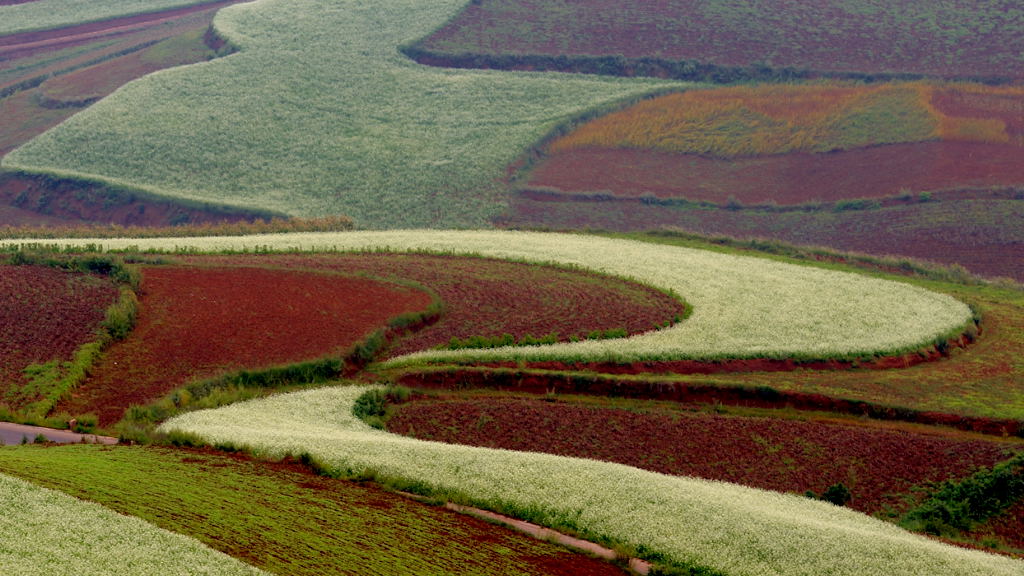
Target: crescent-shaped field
743 307
722 528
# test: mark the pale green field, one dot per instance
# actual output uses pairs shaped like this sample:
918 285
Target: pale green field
45 14
742 306
49 532
734 530
320 114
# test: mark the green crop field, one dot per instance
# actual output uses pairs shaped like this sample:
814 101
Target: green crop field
320 114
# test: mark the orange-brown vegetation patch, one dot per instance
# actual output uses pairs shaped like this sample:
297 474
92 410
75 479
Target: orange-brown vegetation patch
45 314
195 323
490 298
880 465
784 179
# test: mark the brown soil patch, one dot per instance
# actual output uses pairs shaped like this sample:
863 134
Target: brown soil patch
45 314
196 323
489 298
786 179
31 201
879 465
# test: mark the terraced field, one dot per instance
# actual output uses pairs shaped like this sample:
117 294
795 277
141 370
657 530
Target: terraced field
725 407
348 126
727 41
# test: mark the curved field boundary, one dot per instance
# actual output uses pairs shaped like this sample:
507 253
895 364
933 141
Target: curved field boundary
743 307
48 532
320 114
722 528
47 14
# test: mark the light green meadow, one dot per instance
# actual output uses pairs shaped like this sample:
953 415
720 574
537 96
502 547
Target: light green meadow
320 114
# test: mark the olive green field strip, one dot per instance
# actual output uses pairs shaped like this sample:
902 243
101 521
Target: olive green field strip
320 114
47 14
48 532
705 526
743 307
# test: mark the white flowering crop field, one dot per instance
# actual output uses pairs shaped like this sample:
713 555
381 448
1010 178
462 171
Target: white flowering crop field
320 114
690 522
742 306
46 14
43 531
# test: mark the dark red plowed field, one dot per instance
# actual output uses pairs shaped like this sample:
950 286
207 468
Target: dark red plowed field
490 298
958 38
45 314
878 465
784 179
196 323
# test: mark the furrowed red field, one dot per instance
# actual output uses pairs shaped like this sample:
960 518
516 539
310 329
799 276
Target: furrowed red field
738 40
45 315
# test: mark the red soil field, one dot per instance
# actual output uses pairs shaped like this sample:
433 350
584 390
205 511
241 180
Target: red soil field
45 314
879 465
195 323
490 297
785 179
893 37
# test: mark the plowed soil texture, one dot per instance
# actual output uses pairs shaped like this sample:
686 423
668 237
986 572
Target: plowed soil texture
784 179
881 466
45 314
952 39
196 323
490 298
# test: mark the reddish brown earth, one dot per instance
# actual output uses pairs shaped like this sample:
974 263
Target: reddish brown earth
1008 527
784 179
816 36
30 201
195 323
45 314
489 298
879 465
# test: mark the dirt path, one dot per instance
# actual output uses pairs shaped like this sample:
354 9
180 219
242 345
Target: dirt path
17 433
